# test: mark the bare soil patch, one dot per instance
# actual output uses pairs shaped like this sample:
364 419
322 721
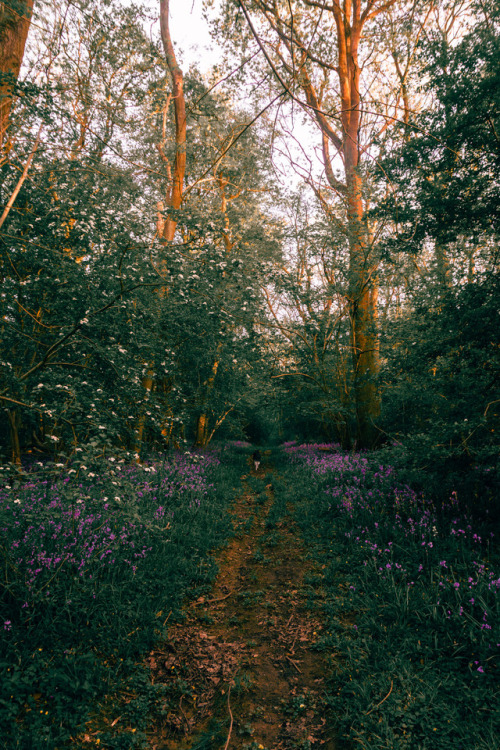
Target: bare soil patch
243 665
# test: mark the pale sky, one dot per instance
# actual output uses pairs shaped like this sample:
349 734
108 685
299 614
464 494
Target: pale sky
190 33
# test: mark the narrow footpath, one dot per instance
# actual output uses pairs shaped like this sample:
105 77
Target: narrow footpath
242 666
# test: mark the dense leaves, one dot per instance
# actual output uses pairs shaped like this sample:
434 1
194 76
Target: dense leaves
94 563
444 177
443 372
92 300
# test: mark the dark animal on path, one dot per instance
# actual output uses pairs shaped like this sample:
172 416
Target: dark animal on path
256 459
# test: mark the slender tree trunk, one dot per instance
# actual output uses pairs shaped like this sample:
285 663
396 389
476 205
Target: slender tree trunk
443 268
173 199
363 306
14 27
202 422
201 431
13 417
174 191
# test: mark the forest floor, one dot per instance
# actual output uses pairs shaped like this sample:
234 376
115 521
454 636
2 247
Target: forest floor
243 661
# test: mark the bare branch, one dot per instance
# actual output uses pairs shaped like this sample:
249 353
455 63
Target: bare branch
21 180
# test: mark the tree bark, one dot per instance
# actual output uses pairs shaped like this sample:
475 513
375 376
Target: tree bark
201 431
443 268
202 422
13 416
362 283
14 27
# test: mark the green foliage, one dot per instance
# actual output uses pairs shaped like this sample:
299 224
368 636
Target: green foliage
93 569
90 303
410 610
441 374
444 176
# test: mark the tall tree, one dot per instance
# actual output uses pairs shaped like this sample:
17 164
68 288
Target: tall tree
319 54
174 189
167 222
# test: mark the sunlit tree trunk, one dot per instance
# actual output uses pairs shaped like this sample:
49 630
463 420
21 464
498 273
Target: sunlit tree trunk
173 199
15 18
443 267
362 283
174 191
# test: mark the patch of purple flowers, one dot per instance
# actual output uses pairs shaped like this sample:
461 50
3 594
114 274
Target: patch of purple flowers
77 525
406 542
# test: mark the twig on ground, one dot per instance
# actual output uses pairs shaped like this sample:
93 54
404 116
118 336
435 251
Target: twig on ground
294 664
184 715
383 699
212 601
231 715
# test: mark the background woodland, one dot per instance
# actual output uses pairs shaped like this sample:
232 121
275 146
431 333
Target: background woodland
301 243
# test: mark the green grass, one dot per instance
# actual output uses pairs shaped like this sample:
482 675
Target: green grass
72 641
411 619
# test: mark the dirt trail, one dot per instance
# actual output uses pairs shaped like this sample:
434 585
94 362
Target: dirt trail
242 663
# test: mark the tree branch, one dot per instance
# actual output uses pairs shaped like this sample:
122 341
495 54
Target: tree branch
21 180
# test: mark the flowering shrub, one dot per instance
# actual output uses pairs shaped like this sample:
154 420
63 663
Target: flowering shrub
414 603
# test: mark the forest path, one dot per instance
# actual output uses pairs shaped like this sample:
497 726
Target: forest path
242 665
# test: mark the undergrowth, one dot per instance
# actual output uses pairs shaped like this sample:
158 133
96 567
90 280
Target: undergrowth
412 605
95 565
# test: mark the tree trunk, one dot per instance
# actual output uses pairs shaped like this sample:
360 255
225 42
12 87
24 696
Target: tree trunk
168 224
362 290
174 191
443 268
363 295
202 422
14 27
13 417
201 431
